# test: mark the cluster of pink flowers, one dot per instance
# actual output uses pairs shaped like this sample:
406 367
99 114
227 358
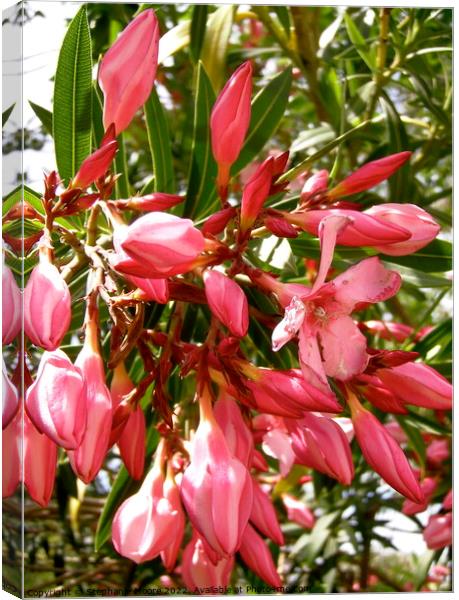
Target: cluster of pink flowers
212 488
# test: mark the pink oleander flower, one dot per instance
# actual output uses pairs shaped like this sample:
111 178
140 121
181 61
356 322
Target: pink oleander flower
230 120
396 432
40 461
11 306
55 401
318 182
298 512
11 455
418 384
394 229
146 523
439 531
131 434
10 398
216 487
264 517
95 165
382 452
256 190
227 302
388 330
256 555
277 444
437 452
47 305
369 175
428 487
157 245
322 317
128 69
87 459
321 444
199 572
237 434
172 493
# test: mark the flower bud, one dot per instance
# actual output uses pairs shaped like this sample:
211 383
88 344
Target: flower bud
316 183
298 512
95 165
437 452
255 193
172 493
369 175
55 401
439 531
11 306
127 71
151 203
227 302
47 305
159 245
40 460
152 290
264 516
10 398
132 443
382 452
428 487
256 555
198 570
216 488
146 523
11 455
230 120
87 459
237 434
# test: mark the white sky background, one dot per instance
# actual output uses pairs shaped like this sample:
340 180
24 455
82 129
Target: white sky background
41 43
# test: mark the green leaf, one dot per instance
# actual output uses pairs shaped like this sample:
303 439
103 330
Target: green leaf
436 257
6 114
283 14
45 116
198 30
203 169
97 115
415 439
121 168
215 46
122 487
359 42
160 144
268 108
72 98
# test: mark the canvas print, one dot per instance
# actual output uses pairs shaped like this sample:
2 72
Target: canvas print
227 309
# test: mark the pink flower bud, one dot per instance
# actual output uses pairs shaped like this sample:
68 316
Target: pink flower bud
298 512
172 493
383 454
11 455
11 306
369 175
418 384
10 398
321 444
127 71
216 487
55 401
200 573
437 452
159 245
152 202
47 305
146 523
378 394
428 487
418 222
237 434
40 460
439 531
95 165
227 302
448 501
230 119
156 290
255 193
256 555
279 227
387 330
217 222
130 431
264 516
87 459
396 432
